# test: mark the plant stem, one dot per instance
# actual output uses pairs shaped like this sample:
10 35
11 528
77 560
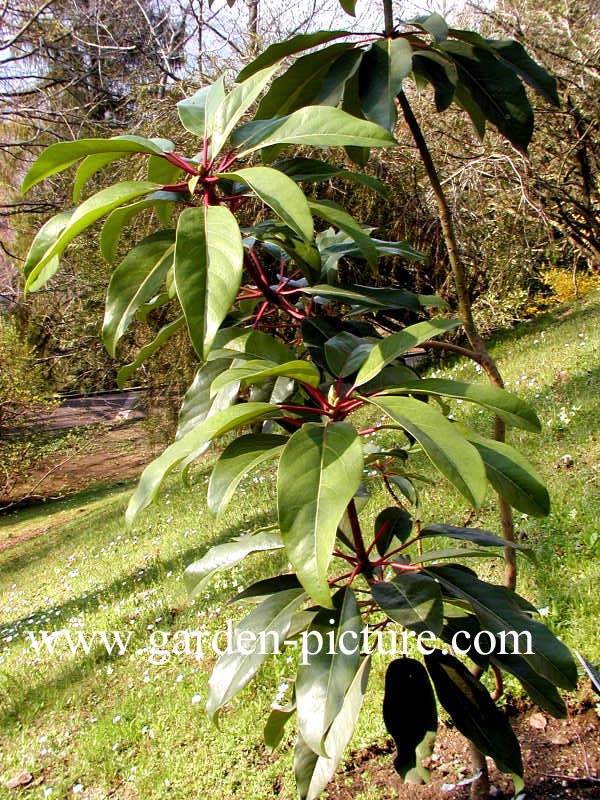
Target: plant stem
466 312
364 565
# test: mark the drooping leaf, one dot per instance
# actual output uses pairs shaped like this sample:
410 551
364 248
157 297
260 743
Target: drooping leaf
117 219
279 50
320 126
61 155
312 170
256 372
411 599
384 66
223 556
514 54
335 79
176 453
320 471
137 278
45 238
149 349
475 535
543 693
268 586
208 270
511 475
473 711
390 348
334 214
275 725
410 717
256 637
251 344
323 678
281 194
441 74
89 166
455 458
239 458
366 297
498 610
314 772
95 207
198 403
345 353
392 523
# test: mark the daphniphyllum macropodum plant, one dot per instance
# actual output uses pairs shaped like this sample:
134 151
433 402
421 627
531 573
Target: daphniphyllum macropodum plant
292 359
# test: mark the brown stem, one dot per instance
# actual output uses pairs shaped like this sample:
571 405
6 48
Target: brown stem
480 788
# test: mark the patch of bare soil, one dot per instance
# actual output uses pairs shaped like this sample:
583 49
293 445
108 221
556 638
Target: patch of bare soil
561 757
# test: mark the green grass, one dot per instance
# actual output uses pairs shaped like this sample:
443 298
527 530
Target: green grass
119 726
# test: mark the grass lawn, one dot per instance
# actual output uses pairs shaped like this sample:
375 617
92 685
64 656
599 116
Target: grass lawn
96 725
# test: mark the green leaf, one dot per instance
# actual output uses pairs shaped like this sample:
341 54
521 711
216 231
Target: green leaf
312 170
208 270
336 78
324 678
114 224
366 297
234 105
239 458
300 84
498 611
410 717
434 24
473 711
384 66
475 535
137 278
320 126
453 553
149 349
345 353
279 50
216 425
508 407
275 725
440 72
412 600
223 556
496 89
334 214
390 348
255 372
392 523
511 475
320 471
455 458
281 194
268 586
89 166
95 207
198 403
464 100
196 112
251 344
314 772
267 627
349 7
45 238
514 55
541 691
61 155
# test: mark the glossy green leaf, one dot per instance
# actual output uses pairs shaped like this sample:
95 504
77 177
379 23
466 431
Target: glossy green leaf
543 693
251 344
256 372
434 24
149 349
95 207
323 678
300 84
320 471
275 725
312 170
198 403
514 55
392 523
234 105
45 238
114 224
349 6
90 166
317 126
455 458
279 50
496 89
390 348
223 556
196 112
474 535
509 407
137 278
498 611
345 353
473 711
281 194
216 425
268 586
208 270
410 717
256 637
464 99
238 459
334 214
511 475
440 72
384 66
453 553
366 297
314 772
411 599
61 155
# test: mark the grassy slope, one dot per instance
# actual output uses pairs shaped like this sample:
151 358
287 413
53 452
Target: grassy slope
120 724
